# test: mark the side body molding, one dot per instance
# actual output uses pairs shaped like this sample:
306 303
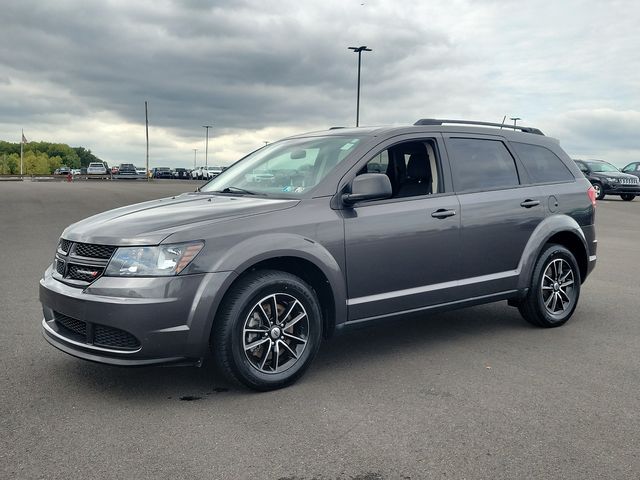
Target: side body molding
548 228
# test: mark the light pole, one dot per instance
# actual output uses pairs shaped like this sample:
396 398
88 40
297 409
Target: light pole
195 151
359 51
515 119
206 147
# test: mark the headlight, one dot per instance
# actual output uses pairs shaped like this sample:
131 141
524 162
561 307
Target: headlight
163 260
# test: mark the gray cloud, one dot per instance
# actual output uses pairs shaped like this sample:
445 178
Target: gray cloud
250 66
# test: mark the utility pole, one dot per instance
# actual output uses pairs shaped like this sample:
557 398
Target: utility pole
359 51
195 150
146 126
206 146
21 152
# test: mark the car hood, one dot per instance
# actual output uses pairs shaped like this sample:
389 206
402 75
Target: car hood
151 222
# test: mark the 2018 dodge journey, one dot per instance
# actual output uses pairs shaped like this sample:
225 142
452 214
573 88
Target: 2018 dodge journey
320 232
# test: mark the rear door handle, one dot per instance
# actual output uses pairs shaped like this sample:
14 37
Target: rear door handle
528 203
442 213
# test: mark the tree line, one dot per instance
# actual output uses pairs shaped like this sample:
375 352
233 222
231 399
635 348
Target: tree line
43 157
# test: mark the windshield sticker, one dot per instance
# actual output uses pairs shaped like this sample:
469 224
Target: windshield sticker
299 190
287 188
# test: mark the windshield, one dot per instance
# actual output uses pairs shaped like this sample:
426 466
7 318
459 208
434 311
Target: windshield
601 167
290 167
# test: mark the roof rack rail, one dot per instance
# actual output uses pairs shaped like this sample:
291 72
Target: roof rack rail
336 128
436 121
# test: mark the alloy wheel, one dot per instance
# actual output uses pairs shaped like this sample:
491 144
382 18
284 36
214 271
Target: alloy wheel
558 286
275 333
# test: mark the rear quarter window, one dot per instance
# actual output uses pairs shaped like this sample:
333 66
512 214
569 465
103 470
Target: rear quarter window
542 164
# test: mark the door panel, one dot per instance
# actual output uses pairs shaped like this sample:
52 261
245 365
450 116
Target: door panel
397 251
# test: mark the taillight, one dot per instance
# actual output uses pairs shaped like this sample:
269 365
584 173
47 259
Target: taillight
591 193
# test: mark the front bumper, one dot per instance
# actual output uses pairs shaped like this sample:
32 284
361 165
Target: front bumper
133 321
620 188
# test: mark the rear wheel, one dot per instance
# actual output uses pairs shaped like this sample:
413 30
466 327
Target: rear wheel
599 190
555 288
627 197
268 331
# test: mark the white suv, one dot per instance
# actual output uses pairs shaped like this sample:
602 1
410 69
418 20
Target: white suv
96 168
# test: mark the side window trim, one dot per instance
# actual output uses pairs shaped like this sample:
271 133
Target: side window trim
529 176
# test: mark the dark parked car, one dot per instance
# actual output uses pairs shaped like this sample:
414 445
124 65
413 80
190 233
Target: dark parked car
64 170
162 172
127 171
352 226
607 179
182 174
632 169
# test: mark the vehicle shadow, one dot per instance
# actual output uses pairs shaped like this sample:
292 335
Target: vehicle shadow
354 348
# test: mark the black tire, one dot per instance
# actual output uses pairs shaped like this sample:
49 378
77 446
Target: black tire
242 305
627 197
599 190
533 307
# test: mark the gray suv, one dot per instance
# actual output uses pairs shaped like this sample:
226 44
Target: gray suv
317 233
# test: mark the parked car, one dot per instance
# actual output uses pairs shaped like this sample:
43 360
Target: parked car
127 171
76 171
161 172
63 170
211 172
456 214
607 179
142 172
196 173
632 169
181 173
96 168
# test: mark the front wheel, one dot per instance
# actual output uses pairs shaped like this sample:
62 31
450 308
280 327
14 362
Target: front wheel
268 330
599 190
555 288
627 197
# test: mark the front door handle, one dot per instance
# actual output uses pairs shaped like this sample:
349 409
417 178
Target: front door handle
528 203
442 213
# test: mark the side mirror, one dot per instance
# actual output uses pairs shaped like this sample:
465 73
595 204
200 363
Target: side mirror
368 186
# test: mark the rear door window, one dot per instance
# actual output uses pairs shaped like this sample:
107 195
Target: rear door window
543 166
481 164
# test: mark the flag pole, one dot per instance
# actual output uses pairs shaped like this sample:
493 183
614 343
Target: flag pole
21 151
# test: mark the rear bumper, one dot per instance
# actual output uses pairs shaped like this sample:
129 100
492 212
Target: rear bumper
161 320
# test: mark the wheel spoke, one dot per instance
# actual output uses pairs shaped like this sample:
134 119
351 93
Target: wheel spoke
547 276
294 321
256 330
255 344
547 302
546 287
289 348
266 317
293 337
274 310
555 301
567 283
562 293
277 349
288 312
266 355
566 275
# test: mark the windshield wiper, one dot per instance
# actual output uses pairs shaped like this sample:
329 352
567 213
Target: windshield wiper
236 190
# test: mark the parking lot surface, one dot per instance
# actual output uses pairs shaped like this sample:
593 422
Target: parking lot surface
476 393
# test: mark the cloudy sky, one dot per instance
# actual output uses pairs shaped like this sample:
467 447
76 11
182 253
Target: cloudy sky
79 71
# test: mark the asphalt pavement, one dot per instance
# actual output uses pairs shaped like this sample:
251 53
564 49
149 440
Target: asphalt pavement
471 394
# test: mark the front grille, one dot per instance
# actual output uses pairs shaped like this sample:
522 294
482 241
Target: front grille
81 263
75 326
94 251
114 338
95 334
60 267
629 181
83 272
64 246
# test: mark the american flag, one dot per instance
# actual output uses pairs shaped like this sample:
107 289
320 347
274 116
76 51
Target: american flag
24 139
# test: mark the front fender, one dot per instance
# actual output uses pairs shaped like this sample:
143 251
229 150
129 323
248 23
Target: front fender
251 251
549 227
